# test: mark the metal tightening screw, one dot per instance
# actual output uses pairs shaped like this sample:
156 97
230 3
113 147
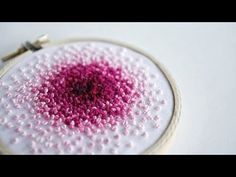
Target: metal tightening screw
34 46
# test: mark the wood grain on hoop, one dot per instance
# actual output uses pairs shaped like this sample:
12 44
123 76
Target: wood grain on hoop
160 146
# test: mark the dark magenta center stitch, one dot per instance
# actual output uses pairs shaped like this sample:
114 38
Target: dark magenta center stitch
85 95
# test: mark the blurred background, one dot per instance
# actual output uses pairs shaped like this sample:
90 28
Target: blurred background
200 56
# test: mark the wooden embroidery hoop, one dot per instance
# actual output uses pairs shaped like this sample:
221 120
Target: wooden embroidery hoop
163 143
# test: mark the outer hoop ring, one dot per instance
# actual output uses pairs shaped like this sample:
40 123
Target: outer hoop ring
162 144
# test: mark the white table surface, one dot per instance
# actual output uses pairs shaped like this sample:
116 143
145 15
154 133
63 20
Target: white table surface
200 56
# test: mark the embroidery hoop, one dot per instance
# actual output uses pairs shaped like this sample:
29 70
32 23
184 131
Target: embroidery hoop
162 144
